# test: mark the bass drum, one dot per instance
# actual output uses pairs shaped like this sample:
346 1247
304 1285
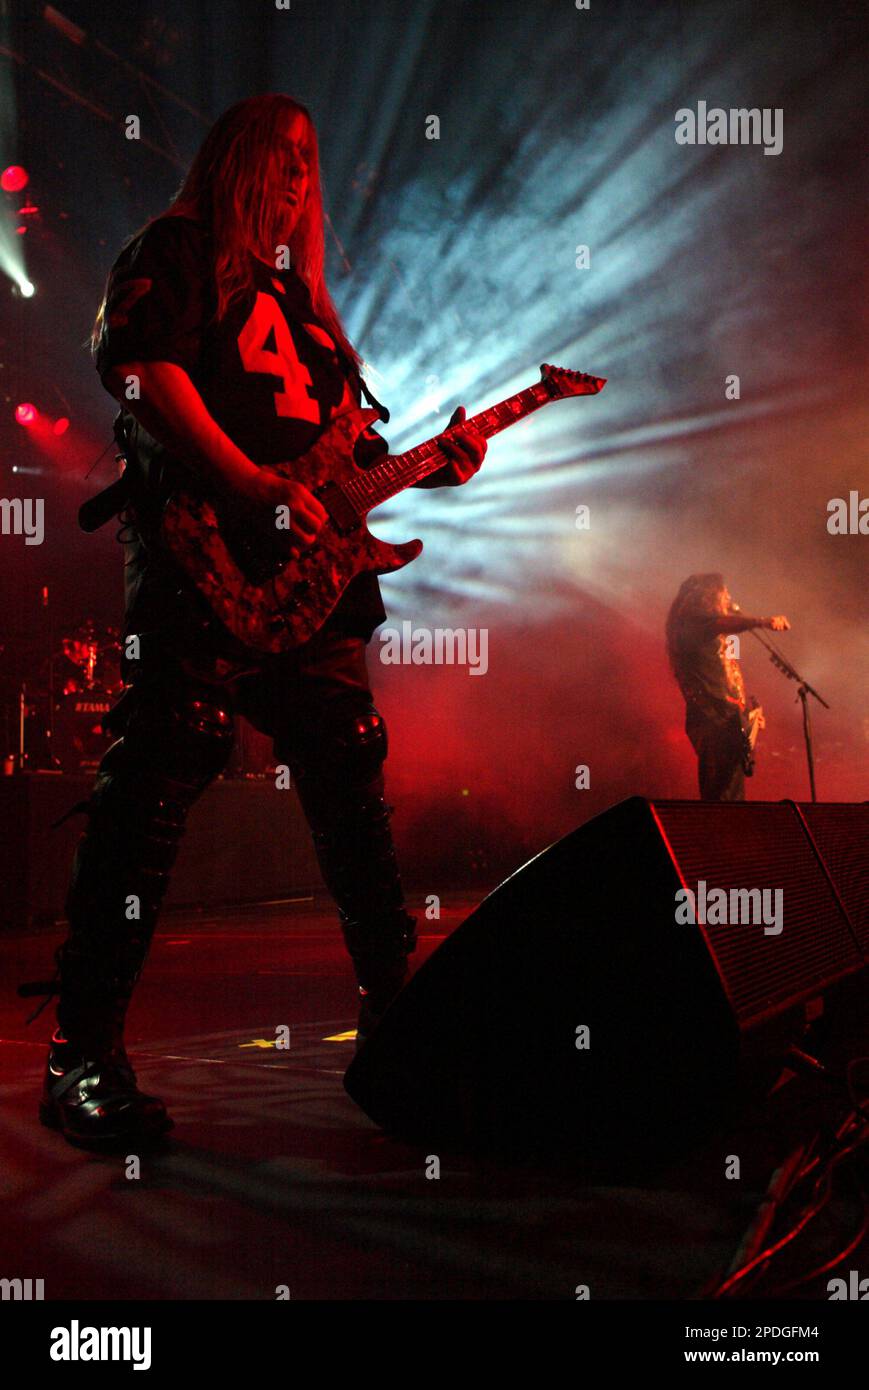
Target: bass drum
79 739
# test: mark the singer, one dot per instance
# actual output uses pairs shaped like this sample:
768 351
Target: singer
702 619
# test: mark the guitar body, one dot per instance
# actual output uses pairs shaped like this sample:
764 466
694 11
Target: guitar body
268 599
242 564
751 721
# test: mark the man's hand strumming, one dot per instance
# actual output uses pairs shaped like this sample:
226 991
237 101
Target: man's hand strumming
265 490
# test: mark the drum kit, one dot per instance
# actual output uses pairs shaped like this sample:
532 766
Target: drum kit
58 718
54 722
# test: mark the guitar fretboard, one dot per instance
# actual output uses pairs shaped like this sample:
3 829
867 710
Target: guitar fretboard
371 487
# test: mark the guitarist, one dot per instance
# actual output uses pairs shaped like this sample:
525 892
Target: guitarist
224 361
701 619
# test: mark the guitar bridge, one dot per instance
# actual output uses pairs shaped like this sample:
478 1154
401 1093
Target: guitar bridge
342 513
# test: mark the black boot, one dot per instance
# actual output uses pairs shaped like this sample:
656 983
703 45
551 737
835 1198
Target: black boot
95 1101
379 951
175 740
121 867
90 1092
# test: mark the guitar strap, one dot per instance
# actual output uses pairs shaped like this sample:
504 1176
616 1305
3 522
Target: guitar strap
100 508
370 397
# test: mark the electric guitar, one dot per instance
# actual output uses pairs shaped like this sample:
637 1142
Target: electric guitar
751 721
273 600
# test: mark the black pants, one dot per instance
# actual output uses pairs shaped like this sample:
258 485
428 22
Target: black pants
718 745
174 732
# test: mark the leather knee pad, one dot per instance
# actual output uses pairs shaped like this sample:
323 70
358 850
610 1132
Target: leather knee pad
348 744
171 748
186 736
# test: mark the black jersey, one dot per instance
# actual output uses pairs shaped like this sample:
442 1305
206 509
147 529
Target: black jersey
269 373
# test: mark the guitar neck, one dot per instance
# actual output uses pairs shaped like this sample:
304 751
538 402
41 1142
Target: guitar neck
399 471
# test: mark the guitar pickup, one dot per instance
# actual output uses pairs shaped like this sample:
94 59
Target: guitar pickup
342 513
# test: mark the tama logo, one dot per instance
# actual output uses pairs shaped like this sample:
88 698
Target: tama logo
22 1290
76 1343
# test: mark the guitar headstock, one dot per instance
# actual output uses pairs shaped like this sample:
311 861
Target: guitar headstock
562 382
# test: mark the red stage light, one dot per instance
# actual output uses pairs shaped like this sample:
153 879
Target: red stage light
61 426
25 413
14 178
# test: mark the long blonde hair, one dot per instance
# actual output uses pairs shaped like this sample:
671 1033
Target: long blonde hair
224 189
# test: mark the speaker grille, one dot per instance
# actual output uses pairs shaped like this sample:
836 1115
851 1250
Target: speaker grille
762 846
841 833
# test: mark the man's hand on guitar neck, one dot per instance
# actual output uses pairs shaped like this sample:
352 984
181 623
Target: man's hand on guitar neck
465 448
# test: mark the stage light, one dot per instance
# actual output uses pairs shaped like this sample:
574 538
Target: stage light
26 289
26 413
61 426
14 178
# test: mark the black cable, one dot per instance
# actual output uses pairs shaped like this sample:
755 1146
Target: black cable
824 1164
843 1254
763 1259
817 1204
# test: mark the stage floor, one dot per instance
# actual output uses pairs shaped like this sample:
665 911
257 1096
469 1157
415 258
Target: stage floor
273 1177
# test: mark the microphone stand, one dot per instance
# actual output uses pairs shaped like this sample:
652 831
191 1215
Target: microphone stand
803 693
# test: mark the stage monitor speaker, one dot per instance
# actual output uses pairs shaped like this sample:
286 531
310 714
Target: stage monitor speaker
574 1010
841 837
